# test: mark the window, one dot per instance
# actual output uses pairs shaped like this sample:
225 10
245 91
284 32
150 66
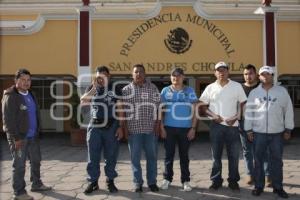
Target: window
293 88
41 89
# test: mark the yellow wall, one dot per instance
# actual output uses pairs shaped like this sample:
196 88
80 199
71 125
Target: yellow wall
18 17
53 50
288 37
109 36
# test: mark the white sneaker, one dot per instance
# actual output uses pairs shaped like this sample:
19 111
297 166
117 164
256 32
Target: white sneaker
23 197
165 184
187 187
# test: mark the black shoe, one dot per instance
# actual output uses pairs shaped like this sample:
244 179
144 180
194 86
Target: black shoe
215 185
111 186
139 189
234 186
281 193
91 187
257 191
153 188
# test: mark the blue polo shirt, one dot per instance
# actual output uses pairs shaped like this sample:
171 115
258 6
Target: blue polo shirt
32 116
178 106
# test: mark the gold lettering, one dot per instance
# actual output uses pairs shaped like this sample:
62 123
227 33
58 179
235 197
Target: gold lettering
207 25
150 22
158 19
144 27
169 67
190 19
166 17
151 66
177 17
216 32
124 52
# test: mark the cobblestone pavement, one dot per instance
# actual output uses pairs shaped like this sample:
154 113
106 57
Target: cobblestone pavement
63 168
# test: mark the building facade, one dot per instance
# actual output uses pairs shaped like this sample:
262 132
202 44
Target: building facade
61 43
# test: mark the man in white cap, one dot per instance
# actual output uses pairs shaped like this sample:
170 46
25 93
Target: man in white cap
223 98
251 82
269 119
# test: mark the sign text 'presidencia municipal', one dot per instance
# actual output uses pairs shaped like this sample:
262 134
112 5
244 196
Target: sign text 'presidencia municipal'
178 40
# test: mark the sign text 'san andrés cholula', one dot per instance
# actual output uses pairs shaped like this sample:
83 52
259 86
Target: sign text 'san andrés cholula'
166 67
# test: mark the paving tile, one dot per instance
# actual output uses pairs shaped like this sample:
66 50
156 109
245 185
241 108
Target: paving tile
64 168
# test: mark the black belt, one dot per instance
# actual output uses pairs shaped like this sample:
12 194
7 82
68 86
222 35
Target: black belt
104 123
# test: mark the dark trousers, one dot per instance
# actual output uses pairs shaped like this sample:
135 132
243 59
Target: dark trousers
248 153
177 136
30 149
274 143
228 135
99 139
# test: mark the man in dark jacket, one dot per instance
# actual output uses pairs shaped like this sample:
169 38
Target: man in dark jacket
21 124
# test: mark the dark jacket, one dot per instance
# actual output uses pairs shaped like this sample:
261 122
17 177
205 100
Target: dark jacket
14 114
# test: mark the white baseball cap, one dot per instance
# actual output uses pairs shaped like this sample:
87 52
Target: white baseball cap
220 64
267 69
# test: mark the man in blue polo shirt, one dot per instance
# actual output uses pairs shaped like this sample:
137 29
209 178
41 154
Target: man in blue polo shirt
178 127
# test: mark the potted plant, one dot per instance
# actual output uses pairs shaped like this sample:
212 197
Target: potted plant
77 133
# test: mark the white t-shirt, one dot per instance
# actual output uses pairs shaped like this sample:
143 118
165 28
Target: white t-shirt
224 101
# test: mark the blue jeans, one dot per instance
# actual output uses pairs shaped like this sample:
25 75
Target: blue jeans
248 154
30 149
147 142
177 136
98 139
220 135
273 142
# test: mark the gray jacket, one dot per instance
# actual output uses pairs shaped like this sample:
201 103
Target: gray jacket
14 114
269 111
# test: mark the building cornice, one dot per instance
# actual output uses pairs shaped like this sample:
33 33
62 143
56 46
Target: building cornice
244 9
288 10
138 9
126 11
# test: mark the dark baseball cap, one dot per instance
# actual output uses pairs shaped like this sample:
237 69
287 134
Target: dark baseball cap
177 71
